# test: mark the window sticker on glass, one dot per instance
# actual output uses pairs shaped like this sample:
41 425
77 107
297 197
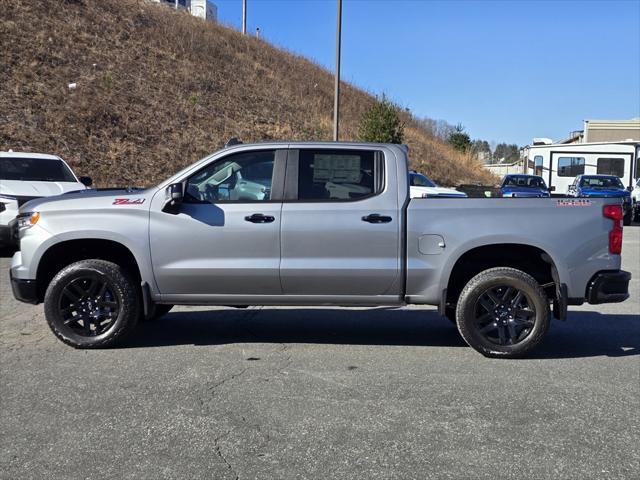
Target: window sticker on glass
336 168
330 175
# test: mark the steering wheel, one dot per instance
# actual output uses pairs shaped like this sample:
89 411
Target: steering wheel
211 192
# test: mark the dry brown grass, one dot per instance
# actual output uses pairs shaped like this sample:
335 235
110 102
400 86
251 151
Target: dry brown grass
158 90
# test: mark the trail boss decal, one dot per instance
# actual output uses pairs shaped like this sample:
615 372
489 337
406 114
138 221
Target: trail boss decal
128 201
577 202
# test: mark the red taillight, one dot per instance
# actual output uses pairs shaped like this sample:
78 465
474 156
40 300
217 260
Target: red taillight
614 212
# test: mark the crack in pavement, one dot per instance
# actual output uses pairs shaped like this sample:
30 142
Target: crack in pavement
287 361
218 450
212 388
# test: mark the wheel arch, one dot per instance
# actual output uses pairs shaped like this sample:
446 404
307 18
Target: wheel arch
531 259
65 252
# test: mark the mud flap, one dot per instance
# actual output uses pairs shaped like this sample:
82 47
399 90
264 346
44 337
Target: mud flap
443 303
147 304
560 302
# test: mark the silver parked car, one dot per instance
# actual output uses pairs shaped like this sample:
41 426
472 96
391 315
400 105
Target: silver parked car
314 224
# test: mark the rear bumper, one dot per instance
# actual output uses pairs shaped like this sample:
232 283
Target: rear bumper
608 287
24 290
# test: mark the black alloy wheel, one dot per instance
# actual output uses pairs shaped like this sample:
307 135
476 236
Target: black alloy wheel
503 312
504 315
92 303
88 306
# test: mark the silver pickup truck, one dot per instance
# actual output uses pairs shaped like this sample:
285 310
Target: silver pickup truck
314 224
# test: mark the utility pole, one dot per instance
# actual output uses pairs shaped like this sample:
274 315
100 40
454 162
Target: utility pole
244 17
336 94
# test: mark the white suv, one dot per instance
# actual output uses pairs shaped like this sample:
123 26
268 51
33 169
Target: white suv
25 176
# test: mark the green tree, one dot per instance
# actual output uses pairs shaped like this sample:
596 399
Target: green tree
506 153
482 150
381 123
459 139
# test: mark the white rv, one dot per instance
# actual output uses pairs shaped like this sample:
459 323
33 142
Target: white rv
560 163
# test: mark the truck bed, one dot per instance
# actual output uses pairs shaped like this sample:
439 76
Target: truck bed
573 232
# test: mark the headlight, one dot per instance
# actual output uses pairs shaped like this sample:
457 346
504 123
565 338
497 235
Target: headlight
27 219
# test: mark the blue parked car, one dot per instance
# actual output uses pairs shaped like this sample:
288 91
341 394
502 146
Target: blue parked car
602 186
525 186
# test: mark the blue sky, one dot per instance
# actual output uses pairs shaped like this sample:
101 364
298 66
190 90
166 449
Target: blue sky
507 70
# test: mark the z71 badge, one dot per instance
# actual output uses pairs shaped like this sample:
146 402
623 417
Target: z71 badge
128 201
574 202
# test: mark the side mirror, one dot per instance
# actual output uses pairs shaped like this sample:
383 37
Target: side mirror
630 188
552 188
175 192
173 197
86 181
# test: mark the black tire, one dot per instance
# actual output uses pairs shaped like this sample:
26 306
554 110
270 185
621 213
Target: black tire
157 310
503 313
92 304
628 217
636 214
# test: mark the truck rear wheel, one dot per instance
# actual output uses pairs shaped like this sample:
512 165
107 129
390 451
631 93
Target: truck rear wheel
503 312
91 304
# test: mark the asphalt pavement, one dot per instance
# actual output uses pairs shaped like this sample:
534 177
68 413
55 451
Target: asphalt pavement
321 393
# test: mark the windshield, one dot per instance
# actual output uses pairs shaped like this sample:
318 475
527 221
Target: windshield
601 182
35 170
419 180
524 181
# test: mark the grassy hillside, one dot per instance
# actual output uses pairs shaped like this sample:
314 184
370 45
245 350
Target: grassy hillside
159 89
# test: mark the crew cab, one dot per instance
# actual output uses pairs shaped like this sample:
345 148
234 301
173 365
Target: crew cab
523 186
25 176
603 186
314 224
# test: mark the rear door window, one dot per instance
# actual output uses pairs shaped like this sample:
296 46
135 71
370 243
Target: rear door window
338 175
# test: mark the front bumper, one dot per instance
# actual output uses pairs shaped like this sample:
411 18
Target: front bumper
24 290
608 287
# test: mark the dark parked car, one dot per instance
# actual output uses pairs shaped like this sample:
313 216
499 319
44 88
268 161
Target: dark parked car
526 186
602 186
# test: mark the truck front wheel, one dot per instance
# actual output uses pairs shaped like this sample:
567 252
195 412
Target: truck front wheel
503 312
91 304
